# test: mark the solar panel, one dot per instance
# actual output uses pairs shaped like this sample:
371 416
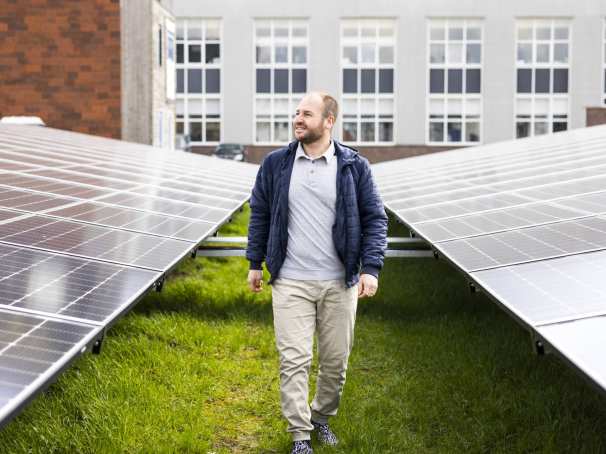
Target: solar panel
87 226
525 220
33 350
94 242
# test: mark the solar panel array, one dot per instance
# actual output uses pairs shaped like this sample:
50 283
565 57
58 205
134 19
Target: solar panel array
87 226
526 220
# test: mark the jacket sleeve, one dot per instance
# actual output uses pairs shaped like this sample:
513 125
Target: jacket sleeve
373 222
258 226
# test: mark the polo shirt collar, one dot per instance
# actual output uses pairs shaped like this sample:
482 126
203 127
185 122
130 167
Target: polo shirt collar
329 154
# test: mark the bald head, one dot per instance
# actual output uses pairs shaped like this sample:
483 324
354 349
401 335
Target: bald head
315 117
329 105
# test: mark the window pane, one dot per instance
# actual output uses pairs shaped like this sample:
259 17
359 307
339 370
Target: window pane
263 31
437 33
455 33
213 108
455 81
368 53
472 132
560 80
474 52
386 107
385 132
180 52
541 83
472 80
194 30
299 32
281 32
560 53
195 132
540 128
522 129
212 30
525 53
454 131
195 53
543 32
280 80
455 53
282 131
385 80
386 54
436 81
368 132
542 53
263 54
350 55
281 106
436 54
195 108
524 80
281 54
180 30
350 81
561 33
350 132
299 80
525 33
213 53
213 81
179 128
262 132
299 54
263 81
368 81
436 108
474 33
559 126
180 84
194 81
213 132
436 132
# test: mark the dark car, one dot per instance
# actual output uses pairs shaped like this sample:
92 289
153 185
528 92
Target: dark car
234 151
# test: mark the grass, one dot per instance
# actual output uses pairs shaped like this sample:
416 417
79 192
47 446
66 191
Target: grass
194 369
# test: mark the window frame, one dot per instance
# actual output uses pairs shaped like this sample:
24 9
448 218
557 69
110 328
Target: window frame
359 96
187 98
550 96
464 23
292 98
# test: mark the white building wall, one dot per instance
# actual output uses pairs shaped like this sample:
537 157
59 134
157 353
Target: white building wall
498 73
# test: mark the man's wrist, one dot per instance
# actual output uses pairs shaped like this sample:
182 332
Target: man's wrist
372 270
257 266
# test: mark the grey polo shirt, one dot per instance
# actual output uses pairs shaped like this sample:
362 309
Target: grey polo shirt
312 196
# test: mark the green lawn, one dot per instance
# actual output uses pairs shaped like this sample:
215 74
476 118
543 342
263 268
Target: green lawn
434 369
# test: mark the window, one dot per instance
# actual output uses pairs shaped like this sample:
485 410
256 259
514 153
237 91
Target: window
199 101
454 107
280 75
367 81
542 75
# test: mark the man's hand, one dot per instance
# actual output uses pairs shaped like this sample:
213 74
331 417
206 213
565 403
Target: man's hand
255 280
367 286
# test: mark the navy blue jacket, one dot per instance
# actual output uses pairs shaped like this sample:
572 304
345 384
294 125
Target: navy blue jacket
360 229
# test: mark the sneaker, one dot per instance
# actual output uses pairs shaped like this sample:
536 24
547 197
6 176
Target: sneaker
325 435
302 447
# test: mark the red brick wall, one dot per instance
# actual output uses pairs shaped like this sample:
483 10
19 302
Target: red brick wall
60 60
596 116
374 154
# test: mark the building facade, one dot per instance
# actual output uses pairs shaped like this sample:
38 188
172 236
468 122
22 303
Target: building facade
410 77
103 67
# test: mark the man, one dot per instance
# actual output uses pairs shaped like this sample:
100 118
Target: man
316 217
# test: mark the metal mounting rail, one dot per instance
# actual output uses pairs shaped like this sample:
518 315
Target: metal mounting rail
213 247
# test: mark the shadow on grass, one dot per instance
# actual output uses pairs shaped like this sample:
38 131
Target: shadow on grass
188 299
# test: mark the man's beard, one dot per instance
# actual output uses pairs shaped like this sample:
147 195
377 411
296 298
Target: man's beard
311 136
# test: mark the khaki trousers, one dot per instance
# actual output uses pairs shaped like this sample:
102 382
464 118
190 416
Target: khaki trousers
302 308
